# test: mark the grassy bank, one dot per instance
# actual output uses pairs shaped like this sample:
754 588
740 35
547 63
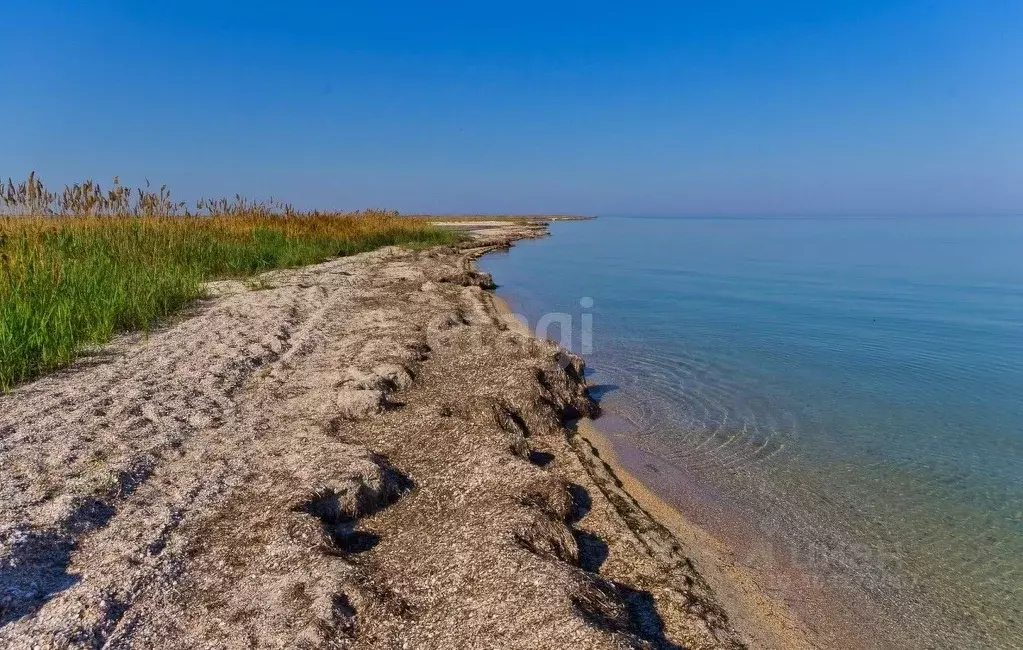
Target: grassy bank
69 282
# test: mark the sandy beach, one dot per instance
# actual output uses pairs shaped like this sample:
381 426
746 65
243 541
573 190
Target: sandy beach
357 454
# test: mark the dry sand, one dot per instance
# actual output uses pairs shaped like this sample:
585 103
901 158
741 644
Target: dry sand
357 454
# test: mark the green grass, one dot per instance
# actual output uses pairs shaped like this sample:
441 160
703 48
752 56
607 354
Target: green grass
68 283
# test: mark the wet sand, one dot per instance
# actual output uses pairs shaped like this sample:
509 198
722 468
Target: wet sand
774 601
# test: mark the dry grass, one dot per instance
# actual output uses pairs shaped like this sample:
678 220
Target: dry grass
80 265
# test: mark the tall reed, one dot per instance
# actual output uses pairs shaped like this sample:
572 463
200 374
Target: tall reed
33 197
69 280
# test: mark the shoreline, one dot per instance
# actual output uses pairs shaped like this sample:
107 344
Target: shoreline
356 454
772 601
314 457
762 620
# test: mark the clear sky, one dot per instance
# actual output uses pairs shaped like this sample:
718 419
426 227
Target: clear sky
718 108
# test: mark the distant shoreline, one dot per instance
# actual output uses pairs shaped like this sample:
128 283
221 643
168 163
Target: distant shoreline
504 218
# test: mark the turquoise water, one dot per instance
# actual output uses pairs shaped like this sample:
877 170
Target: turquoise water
853 388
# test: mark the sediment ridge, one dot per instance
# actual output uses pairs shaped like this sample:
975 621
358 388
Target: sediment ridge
358 454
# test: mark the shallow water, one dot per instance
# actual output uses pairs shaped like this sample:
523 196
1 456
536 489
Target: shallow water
851 387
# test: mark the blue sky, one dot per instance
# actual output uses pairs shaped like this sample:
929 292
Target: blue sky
677 108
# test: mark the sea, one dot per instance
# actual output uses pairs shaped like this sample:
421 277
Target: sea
840 398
